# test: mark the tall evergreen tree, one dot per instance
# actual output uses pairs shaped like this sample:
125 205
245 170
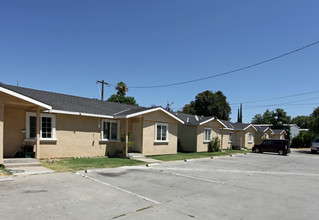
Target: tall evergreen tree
238 116
241 113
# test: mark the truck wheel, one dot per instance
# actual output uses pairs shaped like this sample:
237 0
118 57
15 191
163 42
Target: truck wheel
281 152
313 151
257 150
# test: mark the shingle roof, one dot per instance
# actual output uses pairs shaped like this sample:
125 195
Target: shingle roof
192 119
261 128
236 125
278 131
70 103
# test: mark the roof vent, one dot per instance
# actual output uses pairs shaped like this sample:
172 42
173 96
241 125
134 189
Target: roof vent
196 117
187 119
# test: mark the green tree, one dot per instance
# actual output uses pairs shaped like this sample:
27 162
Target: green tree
240 114
277 118
302 121
314 125
258 119
121 88
189 108
122 99
303 139
208 103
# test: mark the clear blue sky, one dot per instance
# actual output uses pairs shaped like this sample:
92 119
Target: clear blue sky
65 46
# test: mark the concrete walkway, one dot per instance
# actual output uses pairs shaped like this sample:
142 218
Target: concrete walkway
25 166
141 157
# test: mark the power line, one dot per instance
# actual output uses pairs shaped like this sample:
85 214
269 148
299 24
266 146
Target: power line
283 103
287 96
228 72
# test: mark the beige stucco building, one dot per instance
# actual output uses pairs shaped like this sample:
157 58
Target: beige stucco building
279 134
59 125
239 135
196 132
263 132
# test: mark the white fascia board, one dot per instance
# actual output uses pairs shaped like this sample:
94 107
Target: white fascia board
272 132
25 98
149 111
78 113
211 119
251 125
208 120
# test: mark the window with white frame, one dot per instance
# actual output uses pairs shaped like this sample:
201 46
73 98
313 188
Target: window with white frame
265 136
47 126
161 131
250 137
110 130
231 137
207 134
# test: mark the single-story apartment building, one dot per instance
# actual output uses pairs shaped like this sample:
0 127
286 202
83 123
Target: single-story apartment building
240 135
60 125
195 133
263 132
279 134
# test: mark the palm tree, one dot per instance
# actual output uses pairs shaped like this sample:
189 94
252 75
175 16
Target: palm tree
121 89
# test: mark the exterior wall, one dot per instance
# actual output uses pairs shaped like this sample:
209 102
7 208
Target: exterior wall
187 136
202 146
225 144
150 146
259 136
278 136
249 145
76 137
294 131
1 131
14 124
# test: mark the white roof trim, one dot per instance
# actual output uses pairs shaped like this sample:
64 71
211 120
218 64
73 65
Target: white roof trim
152 110
249 126
211 119
208 120
25 98
78 113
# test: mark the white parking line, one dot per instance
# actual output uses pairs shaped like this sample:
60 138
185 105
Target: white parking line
192 177
120 189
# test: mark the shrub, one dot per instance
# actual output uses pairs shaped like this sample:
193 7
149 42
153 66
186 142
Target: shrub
214 145
303 139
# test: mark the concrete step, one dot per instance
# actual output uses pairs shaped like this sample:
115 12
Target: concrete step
136 155
20 162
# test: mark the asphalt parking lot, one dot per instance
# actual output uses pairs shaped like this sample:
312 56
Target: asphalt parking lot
252 186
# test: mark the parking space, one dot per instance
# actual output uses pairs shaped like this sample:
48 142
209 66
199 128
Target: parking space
252 186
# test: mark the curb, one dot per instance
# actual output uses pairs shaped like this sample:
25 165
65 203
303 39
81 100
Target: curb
6 178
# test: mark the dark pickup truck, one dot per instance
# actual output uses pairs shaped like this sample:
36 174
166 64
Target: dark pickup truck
272 145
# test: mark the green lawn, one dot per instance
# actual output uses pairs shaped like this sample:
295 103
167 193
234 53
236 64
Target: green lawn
76 164
4 172
184 156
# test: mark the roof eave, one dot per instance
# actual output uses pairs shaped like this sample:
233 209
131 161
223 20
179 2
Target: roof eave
25 98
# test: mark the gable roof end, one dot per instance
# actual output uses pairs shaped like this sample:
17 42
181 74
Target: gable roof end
23 97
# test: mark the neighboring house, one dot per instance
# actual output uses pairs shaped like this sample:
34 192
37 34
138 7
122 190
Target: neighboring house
60 125
240 135
263 132
197 131
293 130
279 134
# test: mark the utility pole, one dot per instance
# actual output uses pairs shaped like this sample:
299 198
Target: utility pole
103 83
